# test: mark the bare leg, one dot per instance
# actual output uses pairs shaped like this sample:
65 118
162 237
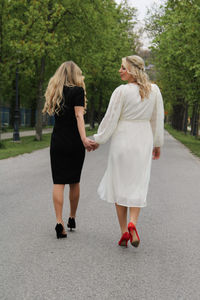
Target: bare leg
134 214
122 217
58 199
74 193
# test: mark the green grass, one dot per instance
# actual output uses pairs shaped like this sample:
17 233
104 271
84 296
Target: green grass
10 129
26 145
189 141
90 132
8 148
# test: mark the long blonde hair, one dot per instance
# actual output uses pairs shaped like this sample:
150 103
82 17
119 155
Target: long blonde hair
135 66
68 74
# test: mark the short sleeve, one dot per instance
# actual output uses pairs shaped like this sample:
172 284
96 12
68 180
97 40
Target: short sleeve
79 97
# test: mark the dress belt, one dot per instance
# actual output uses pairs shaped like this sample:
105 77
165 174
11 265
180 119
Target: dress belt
135 120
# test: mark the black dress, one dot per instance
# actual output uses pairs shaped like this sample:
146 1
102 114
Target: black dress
67 151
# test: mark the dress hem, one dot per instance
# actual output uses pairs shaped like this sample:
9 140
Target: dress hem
73 182
113 202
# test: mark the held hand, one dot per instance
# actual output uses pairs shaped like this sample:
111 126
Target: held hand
156 153
95 146
89 144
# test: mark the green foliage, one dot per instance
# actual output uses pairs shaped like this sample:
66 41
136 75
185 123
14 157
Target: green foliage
176 51
95 34
28 144
189 141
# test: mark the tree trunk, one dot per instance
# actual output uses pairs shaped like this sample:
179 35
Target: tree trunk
92 109
40 103
195 119
192 119
12 104
196 122
33 110
92 113
0 121
45 120
100 106
33 105
185 119
177 116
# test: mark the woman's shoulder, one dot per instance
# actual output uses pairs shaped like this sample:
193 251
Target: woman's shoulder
154 87
130 89
119 89
125 90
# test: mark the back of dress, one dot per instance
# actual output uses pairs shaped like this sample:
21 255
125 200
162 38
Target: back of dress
135 126
126 105
66 149
133 107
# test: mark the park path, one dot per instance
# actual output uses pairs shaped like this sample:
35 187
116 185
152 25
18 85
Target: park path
89 264
9 135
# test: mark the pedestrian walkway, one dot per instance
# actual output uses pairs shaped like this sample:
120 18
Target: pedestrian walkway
89 264
9 135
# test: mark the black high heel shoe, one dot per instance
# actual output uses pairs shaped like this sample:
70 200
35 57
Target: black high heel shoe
59 231
71 223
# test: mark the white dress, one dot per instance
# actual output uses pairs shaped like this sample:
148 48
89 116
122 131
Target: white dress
135 126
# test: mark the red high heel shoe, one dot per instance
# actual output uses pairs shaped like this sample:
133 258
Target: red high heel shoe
131 229
124 239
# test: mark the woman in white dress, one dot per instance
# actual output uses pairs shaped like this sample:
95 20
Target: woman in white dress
134 119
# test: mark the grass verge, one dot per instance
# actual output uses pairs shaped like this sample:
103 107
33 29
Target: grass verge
28 144
189 141
10 129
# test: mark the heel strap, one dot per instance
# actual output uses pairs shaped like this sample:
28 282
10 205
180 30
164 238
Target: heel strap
131 226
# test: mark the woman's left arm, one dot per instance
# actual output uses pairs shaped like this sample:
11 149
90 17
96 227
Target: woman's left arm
79 112
111 118
157 120
157 124
79 104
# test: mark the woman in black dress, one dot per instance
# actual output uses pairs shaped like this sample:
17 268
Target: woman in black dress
66 100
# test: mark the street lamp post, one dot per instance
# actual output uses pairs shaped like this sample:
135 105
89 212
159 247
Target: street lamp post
16 112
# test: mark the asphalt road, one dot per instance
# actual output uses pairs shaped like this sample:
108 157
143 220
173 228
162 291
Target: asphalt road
89 264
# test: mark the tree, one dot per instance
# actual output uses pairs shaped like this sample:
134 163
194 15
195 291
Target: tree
39 35
175 28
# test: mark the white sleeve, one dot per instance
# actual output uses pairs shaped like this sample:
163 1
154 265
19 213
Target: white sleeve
157 120
111 118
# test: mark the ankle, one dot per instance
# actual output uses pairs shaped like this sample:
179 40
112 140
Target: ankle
133 221
72 216
60 221
124 230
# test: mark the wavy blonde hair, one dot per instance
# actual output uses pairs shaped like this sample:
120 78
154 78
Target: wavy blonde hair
135 66
68 74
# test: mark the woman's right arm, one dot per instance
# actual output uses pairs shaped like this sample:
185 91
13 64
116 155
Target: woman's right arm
111 118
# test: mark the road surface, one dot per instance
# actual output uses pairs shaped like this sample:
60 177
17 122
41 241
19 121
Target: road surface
89 264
